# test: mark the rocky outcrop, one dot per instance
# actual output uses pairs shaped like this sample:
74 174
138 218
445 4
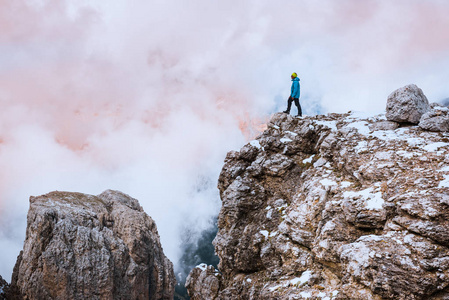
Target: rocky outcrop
7 292
407 105
333 207
91 247
437 119
3 286
205 280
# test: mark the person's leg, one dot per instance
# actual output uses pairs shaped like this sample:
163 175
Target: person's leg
298 106
289 105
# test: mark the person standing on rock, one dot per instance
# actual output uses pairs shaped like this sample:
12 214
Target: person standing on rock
294 95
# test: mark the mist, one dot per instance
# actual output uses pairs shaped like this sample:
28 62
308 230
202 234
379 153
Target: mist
147 97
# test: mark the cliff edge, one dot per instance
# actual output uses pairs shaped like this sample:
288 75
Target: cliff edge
336 206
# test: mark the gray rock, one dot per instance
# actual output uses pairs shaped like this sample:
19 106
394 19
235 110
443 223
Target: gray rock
436 119
359 213
331 210
80 246
277 165
383 125
436 105
203 282
3 286
7 292
407 105
397 266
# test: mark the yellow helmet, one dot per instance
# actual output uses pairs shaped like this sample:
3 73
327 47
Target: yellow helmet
294 74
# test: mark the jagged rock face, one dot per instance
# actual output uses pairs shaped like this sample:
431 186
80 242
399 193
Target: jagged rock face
206 280
407 105
333 207
436 119
91 247
7 292
3 286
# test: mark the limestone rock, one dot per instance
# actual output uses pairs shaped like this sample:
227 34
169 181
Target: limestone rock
80 246
407 105
384 125
333 207
436 105
436 119
398 265
7 292
3 286
203 283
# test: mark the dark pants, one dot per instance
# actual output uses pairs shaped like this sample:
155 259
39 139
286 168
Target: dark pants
289 105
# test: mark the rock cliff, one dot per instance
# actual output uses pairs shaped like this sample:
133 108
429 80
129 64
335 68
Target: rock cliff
81 246
334 206
7 292
3 287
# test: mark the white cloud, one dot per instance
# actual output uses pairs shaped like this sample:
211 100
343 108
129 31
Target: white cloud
147 97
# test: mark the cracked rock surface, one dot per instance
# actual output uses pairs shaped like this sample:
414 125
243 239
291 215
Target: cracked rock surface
407 105
81 246
337 206
437 119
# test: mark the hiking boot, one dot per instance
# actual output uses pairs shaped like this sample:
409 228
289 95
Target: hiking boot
286 112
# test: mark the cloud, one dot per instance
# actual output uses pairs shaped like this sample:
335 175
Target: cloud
147 97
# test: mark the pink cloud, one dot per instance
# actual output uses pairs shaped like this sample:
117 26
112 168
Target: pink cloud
147 96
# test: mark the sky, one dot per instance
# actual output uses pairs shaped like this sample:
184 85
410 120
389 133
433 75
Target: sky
148 96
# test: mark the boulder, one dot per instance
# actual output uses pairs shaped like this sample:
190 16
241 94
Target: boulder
436 119
203 282
407 105
81 246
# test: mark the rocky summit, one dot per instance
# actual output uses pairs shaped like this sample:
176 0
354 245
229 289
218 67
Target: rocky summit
337 206
81 246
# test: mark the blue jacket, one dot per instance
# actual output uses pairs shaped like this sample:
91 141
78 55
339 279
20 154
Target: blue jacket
296 90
